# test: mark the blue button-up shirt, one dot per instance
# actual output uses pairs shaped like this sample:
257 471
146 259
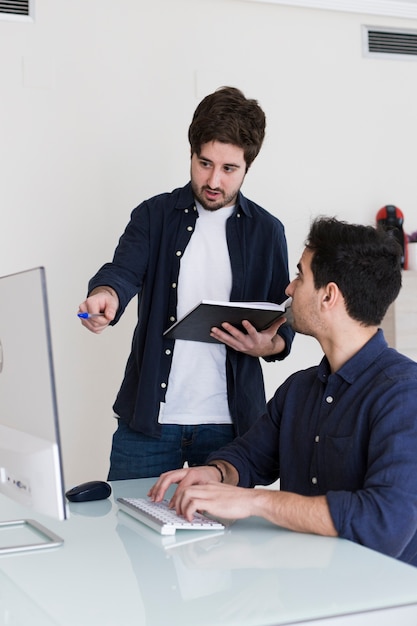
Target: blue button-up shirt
351 435
147 262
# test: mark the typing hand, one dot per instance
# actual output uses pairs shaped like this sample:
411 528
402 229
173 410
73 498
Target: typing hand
183 477
216 499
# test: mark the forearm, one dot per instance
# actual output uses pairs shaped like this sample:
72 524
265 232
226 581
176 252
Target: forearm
306 514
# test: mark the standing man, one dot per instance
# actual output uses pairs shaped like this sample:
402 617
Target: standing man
341 436
179 400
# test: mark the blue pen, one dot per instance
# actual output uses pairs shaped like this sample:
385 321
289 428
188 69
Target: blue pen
86 316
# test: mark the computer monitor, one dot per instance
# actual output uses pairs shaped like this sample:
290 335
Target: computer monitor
30 451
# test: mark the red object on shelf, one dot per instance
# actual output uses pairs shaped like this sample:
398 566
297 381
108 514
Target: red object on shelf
391 218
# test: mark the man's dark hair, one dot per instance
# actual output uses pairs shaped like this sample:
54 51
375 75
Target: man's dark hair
227 116
363 261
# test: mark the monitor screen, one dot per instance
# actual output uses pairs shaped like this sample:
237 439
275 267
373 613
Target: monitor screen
30 452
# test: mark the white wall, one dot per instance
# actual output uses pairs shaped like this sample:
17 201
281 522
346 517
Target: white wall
95 102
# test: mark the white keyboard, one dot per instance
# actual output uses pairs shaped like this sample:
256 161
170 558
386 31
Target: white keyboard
158 516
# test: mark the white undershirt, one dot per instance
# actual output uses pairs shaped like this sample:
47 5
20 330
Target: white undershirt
197 391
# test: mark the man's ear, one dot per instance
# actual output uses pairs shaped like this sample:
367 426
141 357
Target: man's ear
330 295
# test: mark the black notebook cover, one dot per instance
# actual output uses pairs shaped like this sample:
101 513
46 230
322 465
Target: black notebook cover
196 324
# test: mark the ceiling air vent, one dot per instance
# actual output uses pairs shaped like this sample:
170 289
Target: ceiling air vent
15 9
390 43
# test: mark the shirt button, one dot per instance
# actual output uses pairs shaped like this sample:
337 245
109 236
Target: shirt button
317 438
178 253
238 215
189 228
172 318
174 285
163 385
185 210
167 351
329 399
314 480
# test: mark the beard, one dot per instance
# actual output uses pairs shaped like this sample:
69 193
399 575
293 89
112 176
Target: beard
214 204
305 324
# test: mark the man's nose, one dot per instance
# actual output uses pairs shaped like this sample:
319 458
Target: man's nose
289 290
214 178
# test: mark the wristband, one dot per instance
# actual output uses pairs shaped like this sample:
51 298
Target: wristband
219 469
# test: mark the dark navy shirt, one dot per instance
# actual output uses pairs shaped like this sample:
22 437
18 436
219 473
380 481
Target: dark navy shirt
146 263
351 435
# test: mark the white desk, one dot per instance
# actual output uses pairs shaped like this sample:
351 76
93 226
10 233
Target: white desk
113 571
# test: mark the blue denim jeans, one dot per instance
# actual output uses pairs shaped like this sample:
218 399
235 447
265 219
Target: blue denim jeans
135 455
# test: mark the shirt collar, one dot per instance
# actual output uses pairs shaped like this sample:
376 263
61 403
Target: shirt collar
363 359
242 203
185 199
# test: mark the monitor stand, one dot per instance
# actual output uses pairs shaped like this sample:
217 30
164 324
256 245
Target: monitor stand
27 535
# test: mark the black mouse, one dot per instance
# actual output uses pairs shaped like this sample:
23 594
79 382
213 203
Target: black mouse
93 490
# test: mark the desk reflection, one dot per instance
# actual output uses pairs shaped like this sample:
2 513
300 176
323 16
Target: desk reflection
17 608
215 570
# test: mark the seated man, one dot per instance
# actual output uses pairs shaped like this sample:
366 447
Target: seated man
341 436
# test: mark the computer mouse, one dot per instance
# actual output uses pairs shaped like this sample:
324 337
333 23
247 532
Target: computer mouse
92 490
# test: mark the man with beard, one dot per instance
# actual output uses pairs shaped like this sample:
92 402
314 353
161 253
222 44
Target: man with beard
340 436
180 400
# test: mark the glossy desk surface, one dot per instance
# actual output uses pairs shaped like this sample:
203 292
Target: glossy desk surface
114 571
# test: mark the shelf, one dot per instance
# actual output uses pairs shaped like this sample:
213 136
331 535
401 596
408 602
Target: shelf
400 322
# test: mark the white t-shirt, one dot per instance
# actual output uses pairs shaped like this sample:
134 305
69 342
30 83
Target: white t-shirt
197 391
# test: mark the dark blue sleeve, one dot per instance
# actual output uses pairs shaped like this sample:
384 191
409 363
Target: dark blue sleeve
280 282
126 273
383 514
